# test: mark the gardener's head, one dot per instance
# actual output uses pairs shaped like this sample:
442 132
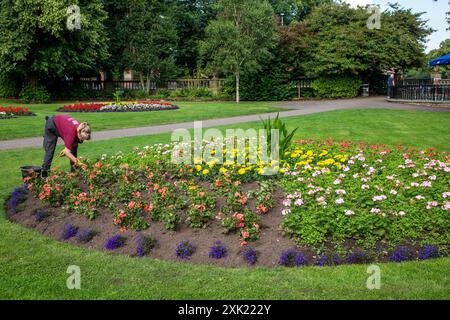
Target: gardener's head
84 132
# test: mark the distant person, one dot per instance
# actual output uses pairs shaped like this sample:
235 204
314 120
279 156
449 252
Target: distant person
390 85
71 132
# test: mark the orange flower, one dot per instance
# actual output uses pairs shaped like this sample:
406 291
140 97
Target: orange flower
98 165
131 205
245 234
25 180
148 207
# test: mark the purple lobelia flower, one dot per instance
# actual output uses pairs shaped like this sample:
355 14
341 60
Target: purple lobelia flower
218 251
69 231
184 250
292 258
428 252
402 253
115 242
250 255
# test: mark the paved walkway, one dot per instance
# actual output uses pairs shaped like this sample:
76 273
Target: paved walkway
298 108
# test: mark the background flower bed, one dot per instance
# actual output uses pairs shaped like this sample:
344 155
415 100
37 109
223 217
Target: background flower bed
326 219
11 112
138 106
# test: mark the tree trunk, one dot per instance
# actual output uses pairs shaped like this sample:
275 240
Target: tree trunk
141 79
238 79
148 84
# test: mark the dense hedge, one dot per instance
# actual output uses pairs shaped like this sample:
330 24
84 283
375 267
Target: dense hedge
339 87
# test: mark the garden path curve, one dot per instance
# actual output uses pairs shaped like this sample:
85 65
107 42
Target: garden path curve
297 108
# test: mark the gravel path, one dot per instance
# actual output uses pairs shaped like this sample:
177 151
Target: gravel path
298 108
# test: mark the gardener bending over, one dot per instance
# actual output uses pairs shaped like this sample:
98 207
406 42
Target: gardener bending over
71 131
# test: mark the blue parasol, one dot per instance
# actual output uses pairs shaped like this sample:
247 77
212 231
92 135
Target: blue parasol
442 61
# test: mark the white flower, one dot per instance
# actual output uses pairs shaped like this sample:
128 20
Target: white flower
287 203
299 202
337 181
393 192
426 184
339 201
402 213
365 187
379 198
419 197
375 210
285 212
349 212
339 191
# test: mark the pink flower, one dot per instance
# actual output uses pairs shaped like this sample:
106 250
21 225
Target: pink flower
299 202
365 187
339 201
375 210
379 198
432 204
445 195
245 234
349 212
131 205
393 192
337 181
339 191
402 213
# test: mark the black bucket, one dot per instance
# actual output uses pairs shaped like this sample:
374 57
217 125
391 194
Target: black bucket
28 171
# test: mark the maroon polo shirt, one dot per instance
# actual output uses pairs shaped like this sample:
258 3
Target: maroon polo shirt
67 129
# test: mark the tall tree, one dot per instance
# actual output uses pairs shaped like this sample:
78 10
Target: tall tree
36 42
191 18
240 39
342 44
150 40
294 10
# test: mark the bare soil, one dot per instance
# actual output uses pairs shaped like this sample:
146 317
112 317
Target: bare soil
270 245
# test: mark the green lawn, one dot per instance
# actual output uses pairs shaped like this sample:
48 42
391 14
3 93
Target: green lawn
22 127
34 267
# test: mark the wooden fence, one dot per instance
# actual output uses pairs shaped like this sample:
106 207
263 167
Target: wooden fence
134 85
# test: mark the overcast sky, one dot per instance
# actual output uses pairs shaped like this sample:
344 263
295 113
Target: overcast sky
435 13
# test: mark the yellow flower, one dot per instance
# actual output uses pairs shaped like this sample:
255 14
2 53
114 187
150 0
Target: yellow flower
223 170
205 172
198 167
242 171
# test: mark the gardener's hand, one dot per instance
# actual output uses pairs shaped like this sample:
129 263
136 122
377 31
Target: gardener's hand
80 164
63 153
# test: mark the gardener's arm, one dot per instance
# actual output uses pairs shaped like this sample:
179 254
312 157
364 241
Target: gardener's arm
72 158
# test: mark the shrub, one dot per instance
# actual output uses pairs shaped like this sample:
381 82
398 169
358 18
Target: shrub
38 94
87 235
8 86
185 250
344 87
292 258
144 245
218 251
40 215
250 255
191 93
115 242
69 231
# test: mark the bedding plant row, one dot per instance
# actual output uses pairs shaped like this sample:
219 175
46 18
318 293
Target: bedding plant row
340 202
131 106
12 112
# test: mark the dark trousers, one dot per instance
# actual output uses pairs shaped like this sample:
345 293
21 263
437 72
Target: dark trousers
50 140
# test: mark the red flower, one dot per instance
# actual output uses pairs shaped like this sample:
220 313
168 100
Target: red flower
131 205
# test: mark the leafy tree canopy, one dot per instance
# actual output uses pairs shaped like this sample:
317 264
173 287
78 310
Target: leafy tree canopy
36 41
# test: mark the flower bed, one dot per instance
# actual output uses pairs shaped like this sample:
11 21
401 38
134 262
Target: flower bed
12 112
139 106
331 203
